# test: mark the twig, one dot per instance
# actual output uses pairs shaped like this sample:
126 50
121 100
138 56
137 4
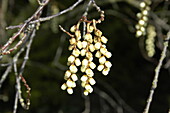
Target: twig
157 71
58 14
16 103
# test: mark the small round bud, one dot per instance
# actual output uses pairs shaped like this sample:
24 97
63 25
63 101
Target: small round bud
142 4
64 86
84 44
100 67
92 48
89 55
73 28
138 33
88 37
77 62
86 92
91 28
77 34
92 65
92 81
72 41
73 68
76 52
102 60
83 52
103 50
70 90
104 39
106 71
84 78
141 22
97 45
69 83
89 72
97 32
85 62
98 54
83 68
70 47
88 88
108 54
79 44
145 12
71 59
67 74
74 77
108 64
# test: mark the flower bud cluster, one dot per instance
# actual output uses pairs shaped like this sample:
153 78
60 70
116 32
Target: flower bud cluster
84 49
143 18
150 46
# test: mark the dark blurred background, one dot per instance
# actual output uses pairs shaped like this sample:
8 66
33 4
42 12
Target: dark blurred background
124 90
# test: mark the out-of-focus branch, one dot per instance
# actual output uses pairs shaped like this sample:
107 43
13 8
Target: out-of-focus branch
157 71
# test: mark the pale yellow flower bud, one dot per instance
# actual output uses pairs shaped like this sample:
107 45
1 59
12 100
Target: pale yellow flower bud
92 65
73 28
100 67
70 90
103 50
88 88
78 34
108 54
84 44
83 52
79 44
92 81
98 54
64 86
74 77
108 64
73 68
102 60
91 28
67 74
69 83
76 52
77 62
89 72
70 47
141 22
89 55
84 78
83 68
104 39
72 41
86 92
92 48
88 37
106 71
71 59
85 62
83 84
97 45
142 4
97 32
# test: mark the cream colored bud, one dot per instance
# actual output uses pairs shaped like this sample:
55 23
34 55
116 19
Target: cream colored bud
98 54
67 74
142 4
145 12
92 65
89 72
73 85
91 28
108 54
89 88
70 47
73 68
84 44
77 34
97 45
69 83
89 55
106 71
73 28
108 64
85 62
102 60
103 50
88 37
142 29
77 62
83 84
91 47
83 68
145 18
71 59
97 32
83 52
92 81
139 15
74 77
84 78
76 52
70 90
79 44
141 22
100 67
138 33
64 86
86 92
104 39
72 41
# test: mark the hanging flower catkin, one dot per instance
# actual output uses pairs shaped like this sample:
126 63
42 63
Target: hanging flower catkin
143 18
84 48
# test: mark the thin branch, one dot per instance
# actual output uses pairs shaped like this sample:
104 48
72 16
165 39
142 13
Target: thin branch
16 103
157 71
58 14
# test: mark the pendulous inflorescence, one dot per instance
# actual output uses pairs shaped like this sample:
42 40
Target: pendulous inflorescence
84 48
143 18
